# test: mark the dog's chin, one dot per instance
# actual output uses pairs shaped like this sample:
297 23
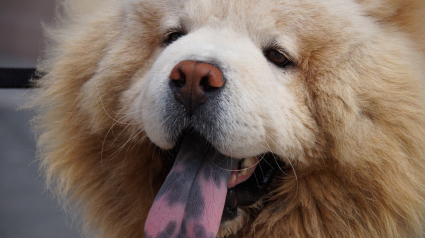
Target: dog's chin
241 220
231 227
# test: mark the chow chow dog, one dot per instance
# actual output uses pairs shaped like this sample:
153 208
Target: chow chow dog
244 118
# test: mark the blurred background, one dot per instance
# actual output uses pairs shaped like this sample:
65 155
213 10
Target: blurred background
26 209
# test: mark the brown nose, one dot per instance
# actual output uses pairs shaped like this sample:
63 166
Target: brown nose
193 82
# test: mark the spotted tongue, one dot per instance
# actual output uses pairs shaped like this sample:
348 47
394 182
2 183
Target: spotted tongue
191 200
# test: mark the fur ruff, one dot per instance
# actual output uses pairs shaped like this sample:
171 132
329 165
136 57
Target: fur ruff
363 177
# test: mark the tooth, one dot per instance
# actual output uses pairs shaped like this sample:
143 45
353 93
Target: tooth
249 162
233 178
243 172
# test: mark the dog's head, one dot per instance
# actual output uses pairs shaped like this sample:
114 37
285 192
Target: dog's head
227 76
232 90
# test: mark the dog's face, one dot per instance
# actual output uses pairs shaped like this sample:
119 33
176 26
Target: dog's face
235 90
256 59
265 54
238 74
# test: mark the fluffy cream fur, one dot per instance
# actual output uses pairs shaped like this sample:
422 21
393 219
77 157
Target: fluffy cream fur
348 116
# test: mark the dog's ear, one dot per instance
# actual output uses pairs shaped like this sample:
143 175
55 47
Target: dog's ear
409 15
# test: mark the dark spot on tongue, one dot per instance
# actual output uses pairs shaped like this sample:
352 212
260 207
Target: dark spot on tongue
197 206
171 227
210 174
190 202
170 189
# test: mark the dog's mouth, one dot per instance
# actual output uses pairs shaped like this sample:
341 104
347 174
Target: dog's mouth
249 183
205 188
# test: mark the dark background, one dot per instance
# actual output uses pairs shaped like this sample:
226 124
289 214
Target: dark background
27 210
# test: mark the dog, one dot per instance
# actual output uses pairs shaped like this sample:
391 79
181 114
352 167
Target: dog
219 118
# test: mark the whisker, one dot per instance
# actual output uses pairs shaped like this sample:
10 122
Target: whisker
289 161
103 147
125 128
154 148
104 141
132 136
256 179
258 161
131 147
103 106
139 141
262 172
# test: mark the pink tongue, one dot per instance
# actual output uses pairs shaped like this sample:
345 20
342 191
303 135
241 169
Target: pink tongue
191 200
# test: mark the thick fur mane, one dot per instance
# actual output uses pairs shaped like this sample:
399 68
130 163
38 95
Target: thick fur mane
365 176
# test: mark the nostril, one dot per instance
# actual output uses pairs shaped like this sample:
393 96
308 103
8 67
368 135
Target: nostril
205 84
178 83
212 79
178 77
182 75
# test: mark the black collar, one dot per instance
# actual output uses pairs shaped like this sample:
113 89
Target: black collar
18 77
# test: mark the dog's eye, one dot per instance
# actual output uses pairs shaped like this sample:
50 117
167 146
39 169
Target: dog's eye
277 58
173 37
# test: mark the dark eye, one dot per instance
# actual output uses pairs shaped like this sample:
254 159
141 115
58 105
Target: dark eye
173 37
277 58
